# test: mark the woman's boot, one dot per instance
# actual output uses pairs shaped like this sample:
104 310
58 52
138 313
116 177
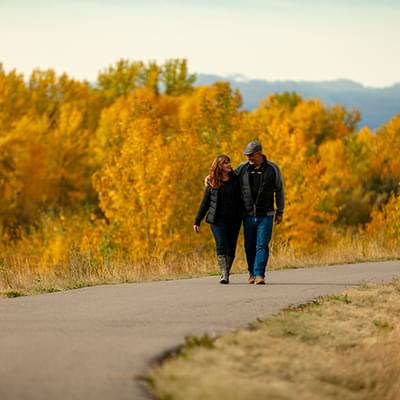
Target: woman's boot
230 262
223 267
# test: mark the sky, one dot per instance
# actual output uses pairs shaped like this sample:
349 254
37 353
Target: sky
308 40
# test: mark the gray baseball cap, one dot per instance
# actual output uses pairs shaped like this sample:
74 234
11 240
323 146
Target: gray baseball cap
252 147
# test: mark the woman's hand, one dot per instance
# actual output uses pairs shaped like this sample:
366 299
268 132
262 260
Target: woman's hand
196 228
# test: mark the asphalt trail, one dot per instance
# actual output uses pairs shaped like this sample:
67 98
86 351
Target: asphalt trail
92 343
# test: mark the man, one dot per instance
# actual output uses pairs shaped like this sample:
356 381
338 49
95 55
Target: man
261 186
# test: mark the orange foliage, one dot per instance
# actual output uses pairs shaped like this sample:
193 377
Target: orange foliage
128 156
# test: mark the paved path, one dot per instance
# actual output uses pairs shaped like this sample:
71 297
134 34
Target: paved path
91 343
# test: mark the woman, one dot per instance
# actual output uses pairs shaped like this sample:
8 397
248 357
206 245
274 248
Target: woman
222 204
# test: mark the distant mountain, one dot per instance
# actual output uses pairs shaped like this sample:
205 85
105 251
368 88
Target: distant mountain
377 106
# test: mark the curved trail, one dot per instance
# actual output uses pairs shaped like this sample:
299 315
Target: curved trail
91 343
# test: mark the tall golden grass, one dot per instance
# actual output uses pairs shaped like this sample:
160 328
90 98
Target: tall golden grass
23 272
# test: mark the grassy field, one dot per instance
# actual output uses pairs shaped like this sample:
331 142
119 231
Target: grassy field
345 346
22 274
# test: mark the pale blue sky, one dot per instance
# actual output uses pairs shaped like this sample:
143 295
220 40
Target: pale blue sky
273 40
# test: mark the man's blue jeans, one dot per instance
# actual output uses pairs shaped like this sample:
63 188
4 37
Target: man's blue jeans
257 235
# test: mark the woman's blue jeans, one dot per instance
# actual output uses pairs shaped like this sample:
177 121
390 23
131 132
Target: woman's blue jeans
257 235
226 235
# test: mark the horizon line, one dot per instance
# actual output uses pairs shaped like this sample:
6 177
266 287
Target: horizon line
237 77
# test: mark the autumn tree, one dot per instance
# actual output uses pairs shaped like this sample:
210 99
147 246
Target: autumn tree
136 184
125 76
175 77
128 154
46 148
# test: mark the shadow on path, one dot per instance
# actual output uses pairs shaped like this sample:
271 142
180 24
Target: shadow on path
298 284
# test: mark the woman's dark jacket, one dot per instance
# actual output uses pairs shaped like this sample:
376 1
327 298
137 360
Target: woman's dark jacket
223 204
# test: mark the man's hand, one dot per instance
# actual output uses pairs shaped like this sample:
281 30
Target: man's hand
196 228
278 219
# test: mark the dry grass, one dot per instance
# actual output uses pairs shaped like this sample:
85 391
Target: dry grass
22 274
344 250
340 347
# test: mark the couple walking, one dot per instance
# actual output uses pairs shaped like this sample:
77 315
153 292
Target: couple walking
246 194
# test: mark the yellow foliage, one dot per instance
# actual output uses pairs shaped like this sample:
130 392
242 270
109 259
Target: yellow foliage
125 162
385 223
54 253
137 186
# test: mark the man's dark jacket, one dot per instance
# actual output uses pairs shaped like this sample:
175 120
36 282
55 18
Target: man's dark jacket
270 190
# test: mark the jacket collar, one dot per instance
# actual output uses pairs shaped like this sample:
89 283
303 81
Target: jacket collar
251 166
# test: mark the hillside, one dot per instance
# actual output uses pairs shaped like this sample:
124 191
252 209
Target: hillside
377 105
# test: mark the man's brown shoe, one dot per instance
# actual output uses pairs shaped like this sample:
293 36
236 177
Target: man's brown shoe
260 280
251 280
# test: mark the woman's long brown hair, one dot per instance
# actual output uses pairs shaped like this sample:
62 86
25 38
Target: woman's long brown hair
215 177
